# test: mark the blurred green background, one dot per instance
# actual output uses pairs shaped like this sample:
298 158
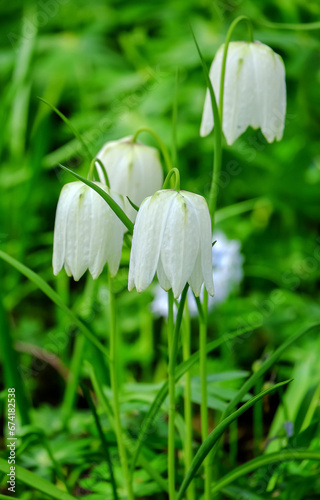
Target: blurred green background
110 67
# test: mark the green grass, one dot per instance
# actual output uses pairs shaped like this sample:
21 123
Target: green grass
112 68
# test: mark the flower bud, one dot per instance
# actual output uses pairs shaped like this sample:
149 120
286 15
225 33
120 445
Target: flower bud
254 91
133 169
87 233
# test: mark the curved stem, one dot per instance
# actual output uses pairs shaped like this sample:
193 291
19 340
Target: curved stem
91 170
296 27
171 382
161 145
174 171
103 171
115 392
225 52
175 120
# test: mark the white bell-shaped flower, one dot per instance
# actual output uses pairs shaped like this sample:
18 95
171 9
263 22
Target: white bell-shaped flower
254 91
133 169
172 235
87 233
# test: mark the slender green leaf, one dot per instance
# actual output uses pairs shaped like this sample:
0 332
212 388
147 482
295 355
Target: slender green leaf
257 463
104 443
36 482
237 209
47 290
112 204
208 444
10 363
68 122
163 392
251 382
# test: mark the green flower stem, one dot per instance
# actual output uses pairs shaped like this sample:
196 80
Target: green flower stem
294 27
186 338
217 136
213 196
166 185
174 148
115 392
203 383
173 345
171 382
103 168
258 420
224 59
161 145
233 443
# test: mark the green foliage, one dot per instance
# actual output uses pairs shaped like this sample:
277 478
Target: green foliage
111 68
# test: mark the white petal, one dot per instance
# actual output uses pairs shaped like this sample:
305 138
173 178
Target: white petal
238 92
196 278
78 232
147 177
60 226
204 222
116 230
215 75
163 280
254 91
147 238
180 243
107 235
271 90
134 170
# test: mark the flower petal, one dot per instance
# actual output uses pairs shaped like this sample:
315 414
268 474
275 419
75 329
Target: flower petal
196 278
180 243
205 234
207 121
78 232
163 280
147 238
60 226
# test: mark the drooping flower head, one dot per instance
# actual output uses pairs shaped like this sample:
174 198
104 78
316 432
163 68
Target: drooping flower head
87 233
133 169
172 236
254 91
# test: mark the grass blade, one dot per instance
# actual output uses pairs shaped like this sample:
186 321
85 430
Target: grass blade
36 482
256 463
163 392
251 382
208 444
69 124
104 443
47 290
